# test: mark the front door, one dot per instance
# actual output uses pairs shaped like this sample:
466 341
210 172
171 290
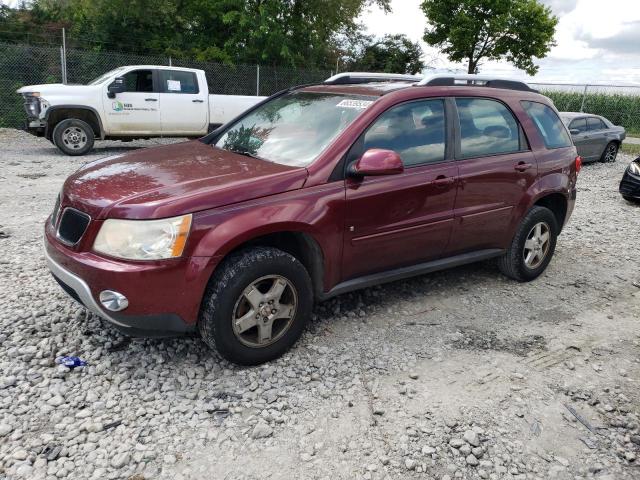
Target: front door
399 220
496 169
184 103
136 110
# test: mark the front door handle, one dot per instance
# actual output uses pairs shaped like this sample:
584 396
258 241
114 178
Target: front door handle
442 181
150 99
197 101
521 167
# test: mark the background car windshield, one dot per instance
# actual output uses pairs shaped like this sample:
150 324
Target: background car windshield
295 128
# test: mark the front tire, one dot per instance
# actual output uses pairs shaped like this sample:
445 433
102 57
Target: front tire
610 153
532 246
73 137
256 306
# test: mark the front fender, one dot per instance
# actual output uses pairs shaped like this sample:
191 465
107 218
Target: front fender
316 212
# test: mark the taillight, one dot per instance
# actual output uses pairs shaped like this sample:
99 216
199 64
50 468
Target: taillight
578 163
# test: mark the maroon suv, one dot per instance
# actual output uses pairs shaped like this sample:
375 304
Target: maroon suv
317 191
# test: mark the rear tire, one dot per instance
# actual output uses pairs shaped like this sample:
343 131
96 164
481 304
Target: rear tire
73 137
256 306
610 153
530 253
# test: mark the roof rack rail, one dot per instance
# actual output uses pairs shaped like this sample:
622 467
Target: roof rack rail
443 80
365 77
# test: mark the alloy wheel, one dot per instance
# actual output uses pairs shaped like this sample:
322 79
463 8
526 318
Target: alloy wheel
264 311
610 154
74 138
536 247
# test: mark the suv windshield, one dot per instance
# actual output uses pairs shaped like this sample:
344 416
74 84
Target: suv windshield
104 76
295 128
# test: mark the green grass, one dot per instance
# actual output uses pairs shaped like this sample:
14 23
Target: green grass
630 149
620 109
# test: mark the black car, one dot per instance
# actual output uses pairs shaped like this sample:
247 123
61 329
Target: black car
630 184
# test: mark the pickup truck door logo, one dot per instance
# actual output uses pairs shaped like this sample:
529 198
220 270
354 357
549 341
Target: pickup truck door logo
117 106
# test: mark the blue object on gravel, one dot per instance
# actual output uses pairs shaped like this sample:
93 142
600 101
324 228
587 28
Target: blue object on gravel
71 362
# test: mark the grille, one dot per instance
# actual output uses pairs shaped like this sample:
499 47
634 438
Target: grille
56 210
72 225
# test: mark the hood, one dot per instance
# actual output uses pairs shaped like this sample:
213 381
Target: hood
51 88
173 180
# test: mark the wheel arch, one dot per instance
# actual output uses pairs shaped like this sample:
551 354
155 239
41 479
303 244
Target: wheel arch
302 245
58 113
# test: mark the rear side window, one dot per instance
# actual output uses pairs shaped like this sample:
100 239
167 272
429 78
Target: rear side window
487 128
176 81
548 124
579 124
415 131
595 124
139 81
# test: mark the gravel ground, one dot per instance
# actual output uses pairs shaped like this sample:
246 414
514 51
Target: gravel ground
459 374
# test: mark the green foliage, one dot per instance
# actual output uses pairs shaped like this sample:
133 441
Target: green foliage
391 54
619 109
270 32
472 30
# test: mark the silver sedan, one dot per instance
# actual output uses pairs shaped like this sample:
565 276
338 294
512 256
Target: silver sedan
595 137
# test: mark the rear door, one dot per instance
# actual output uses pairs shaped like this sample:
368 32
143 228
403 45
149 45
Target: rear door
136 110
184 103
403 219
496 167
581 139
599 135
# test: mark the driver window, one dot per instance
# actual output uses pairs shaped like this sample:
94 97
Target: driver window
139 81
487 128
415 131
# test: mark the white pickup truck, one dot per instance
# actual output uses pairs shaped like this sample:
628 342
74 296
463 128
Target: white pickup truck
132 102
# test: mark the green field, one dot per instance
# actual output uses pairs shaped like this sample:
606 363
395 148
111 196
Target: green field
620 109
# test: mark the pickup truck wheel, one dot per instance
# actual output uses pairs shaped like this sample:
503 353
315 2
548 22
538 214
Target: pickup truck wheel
73 137
532 247
610 153
256 306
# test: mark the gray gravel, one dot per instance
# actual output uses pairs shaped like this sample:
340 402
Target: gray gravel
459 374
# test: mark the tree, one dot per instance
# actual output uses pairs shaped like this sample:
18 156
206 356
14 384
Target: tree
472 30
270 32
391 54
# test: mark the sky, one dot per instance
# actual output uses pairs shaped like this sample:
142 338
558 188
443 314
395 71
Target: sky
598 41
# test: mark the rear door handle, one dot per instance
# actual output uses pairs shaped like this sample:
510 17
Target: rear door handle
150 99
521 167
442 181
197 101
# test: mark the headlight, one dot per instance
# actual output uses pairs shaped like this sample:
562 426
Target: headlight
143 239
634 168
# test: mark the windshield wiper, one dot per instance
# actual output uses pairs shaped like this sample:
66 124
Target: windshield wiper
248 154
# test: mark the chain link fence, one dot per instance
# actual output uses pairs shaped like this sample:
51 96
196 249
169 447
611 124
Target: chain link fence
22 65
620 104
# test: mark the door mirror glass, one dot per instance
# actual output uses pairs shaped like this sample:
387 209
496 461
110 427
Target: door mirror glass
117 86
377 162
574 131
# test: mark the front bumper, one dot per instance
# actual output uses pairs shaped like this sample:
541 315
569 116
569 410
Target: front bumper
137 326
630 185
164 297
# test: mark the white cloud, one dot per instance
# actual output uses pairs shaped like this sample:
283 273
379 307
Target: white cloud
597 42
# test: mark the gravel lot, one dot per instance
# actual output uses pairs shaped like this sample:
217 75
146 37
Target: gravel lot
459 374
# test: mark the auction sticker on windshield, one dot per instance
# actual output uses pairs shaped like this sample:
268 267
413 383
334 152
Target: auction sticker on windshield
359 104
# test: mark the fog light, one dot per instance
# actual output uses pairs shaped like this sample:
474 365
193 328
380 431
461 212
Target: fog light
113 301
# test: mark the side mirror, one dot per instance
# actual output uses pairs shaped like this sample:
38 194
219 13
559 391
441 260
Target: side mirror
376 162
117 86
574 131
